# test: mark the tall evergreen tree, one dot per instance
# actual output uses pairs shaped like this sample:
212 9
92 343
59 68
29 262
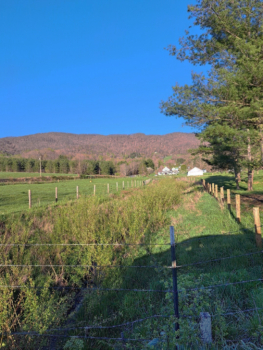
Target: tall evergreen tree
231 95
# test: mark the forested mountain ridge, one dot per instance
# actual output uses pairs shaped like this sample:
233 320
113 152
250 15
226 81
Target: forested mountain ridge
54 143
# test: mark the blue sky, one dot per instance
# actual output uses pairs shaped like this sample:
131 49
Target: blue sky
85 66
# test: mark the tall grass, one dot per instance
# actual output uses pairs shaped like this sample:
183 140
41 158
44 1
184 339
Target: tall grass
131 217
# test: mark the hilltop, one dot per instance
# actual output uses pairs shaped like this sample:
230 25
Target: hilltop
92 145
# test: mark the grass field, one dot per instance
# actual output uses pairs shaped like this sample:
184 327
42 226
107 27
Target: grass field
14 198
198 215
14 175
214 254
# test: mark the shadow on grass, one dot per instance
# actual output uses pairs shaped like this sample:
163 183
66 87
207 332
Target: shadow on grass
107 308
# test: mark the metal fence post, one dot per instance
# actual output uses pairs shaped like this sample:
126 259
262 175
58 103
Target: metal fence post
174 271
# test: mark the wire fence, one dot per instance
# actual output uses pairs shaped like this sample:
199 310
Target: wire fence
93 288
38 195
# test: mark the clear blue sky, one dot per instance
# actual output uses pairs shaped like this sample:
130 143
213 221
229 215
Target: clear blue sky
89 66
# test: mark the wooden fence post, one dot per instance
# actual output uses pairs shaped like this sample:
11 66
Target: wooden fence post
56 194
123 185
174 273
210 188
108 188
77 192
228 198
222 194
216 191
257 226
213 189
29 199
238 208
206 327
94 190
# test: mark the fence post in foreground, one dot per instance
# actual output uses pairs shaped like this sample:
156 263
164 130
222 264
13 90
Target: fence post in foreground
228 199
222 195
174 271
123 185
205 327
216 191
123 341
213 189
108 188
210 188
257 226
238 208
29 199
94 190
77 192
56 194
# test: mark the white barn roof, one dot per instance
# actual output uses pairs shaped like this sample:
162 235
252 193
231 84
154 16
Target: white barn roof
195 171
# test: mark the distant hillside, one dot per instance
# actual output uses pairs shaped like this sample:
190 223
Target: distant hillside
53 143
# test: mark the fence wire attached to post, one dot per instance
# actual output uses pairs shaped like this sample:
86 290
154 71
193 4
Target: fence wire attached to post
174 271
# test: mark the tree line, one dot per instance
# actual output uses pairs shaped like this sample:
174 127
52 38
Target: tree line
63 165
226 103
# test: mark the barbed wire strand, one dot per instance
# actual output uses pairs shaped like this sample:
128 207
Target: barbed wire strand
238 312
89 289
78 336
223 284
84 244
132 266
93 266
218 259
133 290
217 234
114 326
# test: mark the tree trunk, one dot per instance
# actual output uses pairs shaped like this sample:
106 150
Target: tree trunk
250 169
250 179
261 143
237 178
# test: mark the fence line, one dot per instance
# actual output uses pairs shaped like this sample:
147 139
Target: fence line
83 244
134 266
219 259
114 326
78 336
190 239
224 284
95 289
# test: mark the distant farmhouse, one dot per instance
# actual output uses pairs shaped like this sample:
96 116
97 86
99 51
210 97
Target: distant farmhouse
168 171
195 172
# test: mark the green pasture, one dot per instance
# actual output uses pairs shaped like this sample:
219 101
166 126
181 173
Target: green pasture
16 175
14 198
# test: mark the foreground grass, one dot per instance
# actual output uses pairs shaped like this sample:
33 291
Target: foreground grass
199 215
14 198
204 232
131 216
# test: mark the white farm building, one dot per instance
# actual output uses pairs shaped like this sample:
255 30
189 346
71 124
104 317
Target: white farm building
195 172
